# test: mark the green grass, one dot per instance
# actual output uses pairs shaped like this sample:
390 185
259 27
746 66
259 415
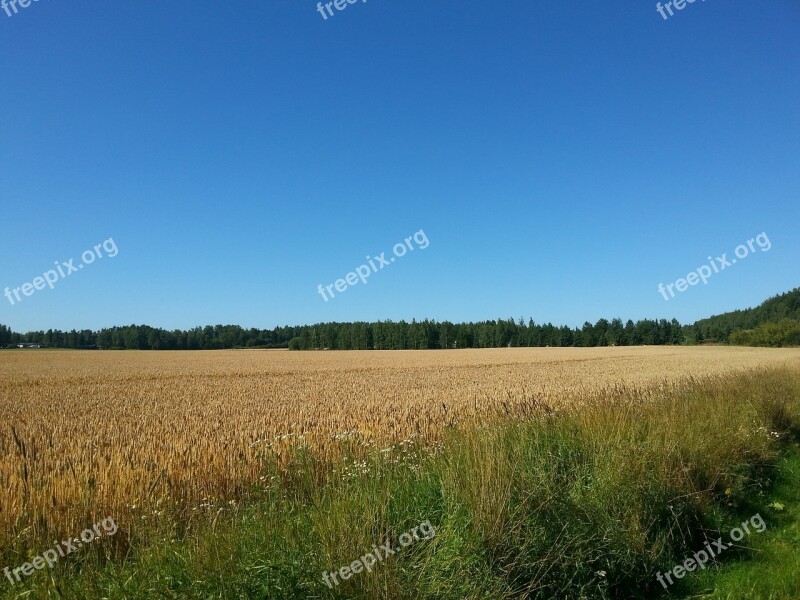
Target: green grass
584 504
771 568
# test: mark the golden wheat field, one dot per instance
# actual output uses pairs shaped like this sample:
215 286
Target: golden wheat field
103 433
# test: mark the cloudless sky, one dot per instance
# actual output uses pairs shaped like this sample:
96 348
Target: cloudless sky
563 158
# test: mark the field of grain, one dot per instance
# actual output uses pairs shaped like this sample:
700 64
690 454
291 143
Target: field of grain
90 434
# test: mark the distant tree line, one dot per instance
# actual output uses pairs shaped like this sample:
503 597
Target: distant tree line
429 335
783 333
143 337
720 328
776 322
383 335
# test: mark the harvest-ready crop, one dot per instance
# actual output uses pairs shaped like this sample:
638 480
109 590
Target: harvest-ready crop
120 433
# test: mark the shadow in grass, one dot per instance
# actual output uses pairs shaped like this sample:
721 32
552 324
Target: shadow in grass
767 569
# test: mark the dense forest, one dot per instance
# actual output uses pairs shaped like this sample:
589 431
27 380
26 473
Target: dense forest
776 322
781 308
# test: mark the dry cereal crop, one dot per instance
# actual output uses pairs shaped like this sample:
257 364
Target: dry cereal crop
105 432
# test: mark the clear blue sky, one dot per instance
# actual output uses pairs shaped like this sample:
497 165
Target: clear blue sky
563 158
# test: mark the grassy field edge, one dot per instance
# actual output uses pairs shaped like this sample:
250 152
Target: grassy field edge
768 569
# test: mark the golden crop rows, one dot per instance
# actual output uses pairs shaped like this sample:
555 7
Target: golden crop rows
96 433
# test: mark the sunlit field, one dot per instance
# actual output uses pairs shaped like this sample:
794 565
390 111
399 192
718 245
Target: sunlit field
110 432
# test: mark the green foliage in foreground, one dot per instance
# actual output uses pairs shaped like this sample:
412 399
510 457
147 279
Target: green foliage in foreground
773 564
585 504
